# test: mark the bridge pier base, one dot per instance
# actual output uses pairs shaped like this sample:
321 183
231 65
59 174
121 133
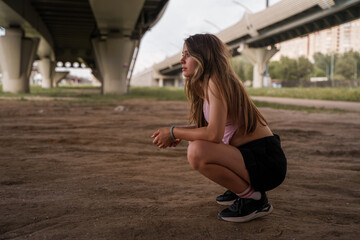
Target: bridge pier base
17 55
113 57
259 57
58 76
46 69
96 73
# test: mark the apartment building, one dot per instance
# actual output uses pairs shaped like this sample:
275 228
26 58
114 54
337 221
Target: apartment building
338 39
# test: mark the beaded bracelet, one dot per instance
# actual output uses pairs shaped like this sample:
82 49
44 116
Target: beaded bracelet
171 132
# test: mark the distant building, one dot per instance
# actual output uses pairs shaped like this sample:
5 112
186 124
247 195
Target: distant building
338 39
145 78
151 78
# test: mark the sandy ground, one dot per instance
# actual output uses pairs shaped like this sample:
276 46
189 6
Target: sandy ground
69 171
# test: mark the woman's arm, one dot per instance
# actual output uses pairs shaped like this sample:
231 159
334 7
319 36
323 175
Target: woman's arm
187 127
214 132
174 142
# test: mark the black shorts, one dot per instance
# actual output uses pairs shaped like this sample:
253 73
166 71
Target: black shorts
265 162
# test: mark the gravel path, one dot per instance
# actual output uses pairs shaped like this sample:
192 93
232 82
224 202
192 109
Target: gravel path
350 106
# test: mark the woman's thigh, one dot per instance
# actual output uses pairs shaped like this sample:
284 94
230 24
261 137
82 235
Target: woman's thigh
203 152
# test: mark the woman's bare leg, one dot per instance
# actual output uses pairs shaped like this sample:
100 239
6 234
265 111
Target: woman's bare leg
220 163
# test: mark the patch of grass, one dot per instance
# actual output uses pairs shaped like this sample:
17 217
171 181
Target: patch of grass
155 93
336 94
89 95
161 94
65 91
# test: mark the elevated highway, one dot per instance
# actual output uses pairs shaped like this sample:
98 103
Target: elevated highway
256 34
103 34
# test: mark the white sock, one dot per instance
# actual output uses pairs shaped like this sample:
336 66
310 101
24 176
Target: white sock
250 193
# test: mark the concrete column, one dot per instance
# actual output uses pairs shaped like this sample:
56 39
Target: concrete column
46 70
113 57
16 59
98 77
161 82
259 57
1 74
58 76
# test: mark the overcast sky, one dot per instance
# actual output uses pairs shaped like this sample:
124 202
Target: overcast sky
186 17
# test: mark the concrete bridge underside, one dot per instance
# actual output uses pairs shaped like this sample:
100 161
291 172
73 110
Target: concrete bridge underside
102 34
255 34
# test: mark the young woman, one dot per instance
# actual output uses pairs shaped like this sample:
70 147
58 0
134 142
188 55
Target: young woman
231 143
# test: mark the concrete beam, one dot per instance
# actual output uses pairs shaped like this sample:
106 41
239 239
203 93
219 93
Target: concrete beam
22 14
127 12
304 21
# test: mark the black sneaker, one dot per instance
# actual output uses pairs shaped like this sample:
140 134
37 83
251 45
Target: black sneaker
227 198
244 209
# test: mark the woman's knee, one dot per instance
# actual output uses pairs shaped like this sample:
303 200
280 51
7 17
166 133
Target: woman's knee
196 153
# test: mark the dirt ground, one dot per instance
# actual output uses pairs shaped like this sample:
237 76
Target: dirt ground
69 171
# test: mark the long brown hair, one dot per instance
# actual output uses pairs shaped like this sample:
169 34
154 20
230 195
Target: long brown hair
213 58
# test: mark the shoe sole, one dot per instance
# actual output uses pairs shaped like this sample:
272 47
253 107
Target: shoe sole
265 211
226 203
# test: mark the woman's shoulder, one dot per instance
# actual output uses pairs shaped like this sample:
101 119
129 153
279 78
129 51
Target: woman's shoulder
213 88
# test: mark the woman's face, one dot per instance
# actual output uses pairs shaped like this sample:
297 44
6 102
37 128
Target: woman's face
188 63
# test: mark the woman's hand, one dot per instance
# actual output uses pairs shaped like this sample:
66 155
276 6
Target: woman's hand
175 143
163 139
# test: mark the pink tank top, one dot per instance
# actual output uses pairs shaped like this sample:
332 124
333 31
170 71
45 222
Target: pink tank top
230 128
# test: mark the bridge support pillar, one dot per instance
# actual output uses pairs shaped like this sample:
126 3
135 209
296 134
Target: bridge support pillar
259 57
58 76
113 58
46 69
161 82
17 55
96 73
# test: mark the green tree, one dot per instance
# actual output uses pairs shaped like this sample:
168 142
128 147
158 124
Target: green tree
357 68
322 62
249 72
274 70
284 70
344 66
242 67
319 72
304 70
237 65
